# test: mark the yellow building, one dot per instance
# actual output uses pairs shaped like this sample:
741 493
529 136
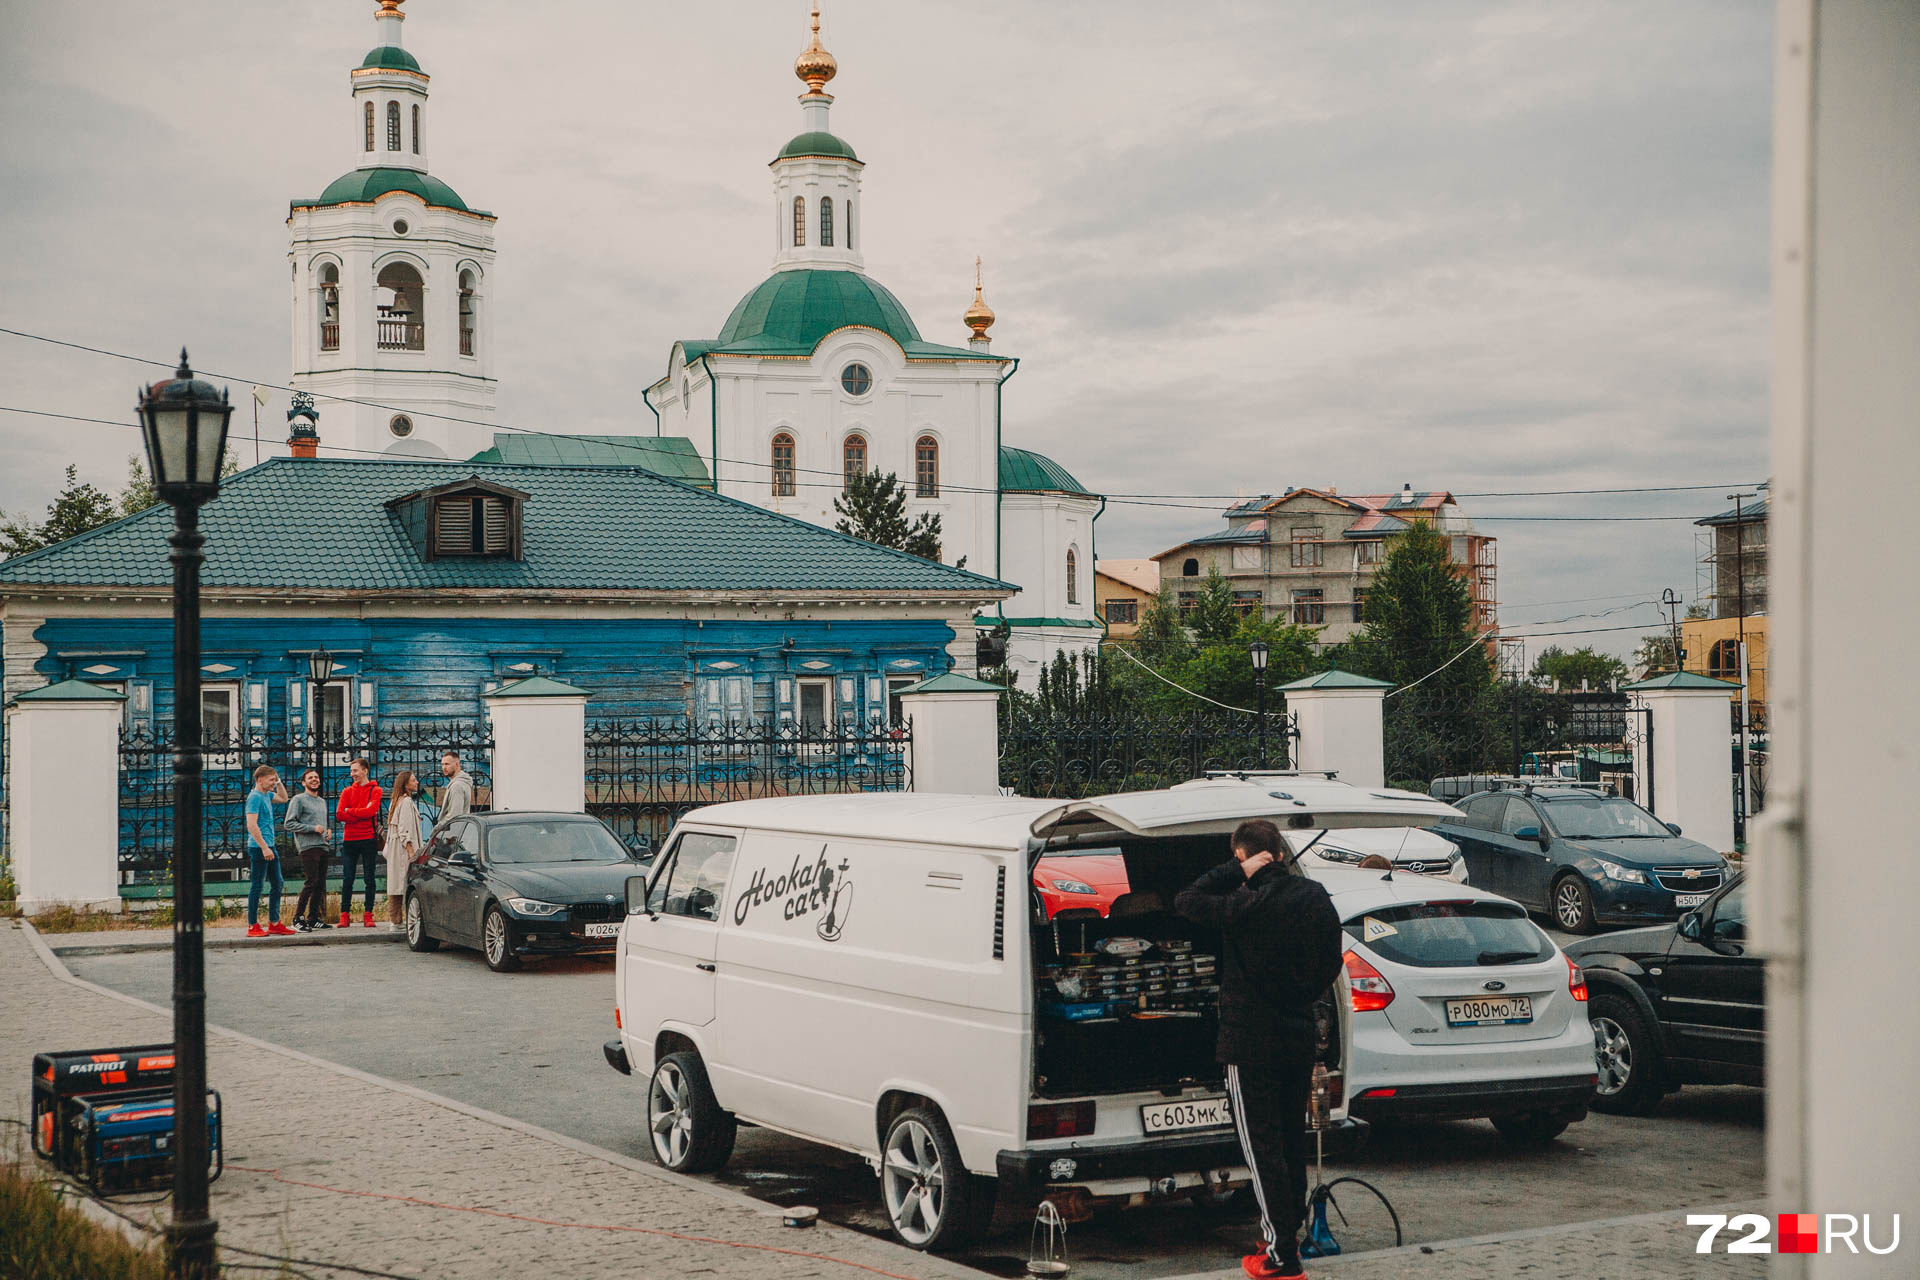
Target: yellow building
1713 649
1122 590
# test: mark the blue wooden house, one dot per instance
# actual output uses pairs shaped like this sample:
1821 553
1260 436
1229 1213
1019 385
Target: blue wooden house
435 582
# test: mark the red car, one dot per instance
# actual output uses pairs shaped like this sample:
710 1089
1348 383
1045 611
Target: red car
1078 881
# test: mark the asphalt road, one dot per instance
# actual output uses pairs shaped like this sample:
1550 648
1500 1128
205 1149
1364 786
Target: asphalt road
528 1045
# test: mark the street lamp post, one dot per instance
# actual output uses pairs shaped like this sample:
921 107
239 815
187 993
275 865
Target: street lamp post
184 421
319 672
1258 650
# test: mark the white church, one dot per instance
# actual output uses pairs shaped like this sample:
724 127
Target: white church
817 374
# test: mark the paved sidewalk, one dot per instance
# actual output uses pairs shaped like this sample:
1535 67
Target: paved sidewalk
316 1123
105 941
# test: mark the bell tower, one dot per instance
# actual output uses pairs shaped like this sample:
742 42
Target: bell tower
816 177
391 271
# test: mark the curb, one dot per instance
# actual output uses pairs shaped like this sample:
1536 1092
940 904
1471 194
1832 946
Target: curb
212 943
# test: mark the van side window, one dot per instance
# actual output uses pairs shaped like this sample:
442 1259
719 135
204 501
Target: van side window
693 881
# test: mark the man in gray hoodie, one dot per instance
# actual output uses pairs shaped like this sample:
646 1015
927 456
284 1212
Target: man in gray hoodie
306 821
458 799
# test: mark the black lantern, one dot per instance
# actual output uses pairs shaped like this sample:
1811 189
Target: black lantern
319 666
1258 651
185 423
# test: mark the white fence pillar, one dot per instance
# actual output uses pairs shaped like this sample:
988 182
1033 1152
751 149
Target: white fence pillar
539 745
1690 774
1339 718
956 735
63 746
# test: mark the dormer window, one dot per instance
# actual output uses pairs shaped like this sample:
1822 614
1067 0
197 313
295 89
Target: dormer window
471 518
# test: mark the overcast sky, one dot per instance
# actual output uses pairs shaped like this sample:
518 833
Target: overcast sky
1237 247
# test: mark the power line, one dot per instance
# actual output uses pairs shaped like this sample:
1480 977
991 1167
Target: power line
1170 501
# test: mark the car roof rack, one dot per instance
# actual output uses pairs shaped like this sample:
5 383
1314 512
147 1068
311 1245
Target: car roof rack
1332 775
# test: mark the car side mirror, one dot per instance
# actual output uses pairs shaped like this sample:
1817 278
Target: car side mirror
1527 833
461 858
637 896
1674 827
1730 931
1690 925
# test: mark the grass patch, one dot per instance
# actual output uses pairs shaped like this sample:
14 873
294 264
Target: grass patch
44 1238
224 912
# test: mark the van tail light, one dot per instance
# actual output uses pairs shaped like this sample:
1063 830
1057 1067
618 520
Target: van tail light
1059 1120
1367 989
1377 1093
1576 980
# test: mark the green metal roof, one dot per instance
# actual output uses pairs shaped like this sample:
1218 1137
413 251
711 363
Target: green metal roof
71 691
323 524
790 312
818 142
1024 471
390 57
363 186
1338 680
539 687
672 456
1048 622
949 682
1682 680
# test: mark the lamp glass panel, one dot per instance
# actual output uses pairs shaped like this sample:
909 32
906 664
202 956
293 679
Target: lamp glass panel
167 442
210 445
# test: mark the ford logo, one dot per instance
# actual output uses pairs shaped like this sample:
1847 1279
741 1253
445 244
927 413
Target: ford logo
1495 986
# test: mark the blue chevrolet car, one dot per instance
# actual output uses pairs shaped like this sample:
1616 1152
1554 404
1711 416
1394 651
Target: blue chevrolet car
1583 857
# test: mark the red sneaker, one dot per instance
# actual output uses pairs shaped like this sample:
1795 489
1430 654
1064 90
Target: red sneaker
346 921
367 920
279 930
1259 1266
256 932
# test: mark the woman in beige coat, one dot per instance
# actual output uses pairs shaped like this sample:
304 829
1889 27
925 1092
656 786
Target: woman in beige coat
403 841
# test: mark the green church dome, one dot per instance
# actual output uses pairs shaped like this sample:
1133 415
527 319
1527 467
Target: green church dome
818 143
390 57
796 309
363 186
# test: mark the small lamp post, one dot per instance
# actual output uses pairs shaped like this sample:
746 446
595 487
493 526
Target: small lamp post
184 421
1258 650
319 672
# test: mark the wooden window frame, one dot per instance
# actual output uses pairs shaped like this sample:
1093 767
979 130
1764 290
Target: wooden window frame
926 467
1308 606
393 124
1125 613
1073 576
799 222
783 480
416 128
479 543
1307 552
372 125
854 444
826 222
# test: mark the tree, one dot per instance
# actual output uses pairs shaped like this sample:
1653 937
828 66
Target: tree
1420 623
1583 667
77 508
874 509
1214 619
1162 636
138 494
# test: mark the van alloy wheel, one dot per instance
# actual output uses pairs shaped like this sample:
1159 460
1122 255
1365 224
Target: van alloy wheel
1612 1055
670 1115
914 1182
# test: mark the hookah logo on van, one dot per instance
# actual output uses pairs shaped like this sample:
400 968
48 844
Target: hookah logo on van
806 890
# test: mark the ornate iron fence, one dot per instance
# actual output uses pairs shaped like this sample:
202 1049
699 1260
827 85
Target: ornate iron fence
1074 755
390 747
1451 742
643 775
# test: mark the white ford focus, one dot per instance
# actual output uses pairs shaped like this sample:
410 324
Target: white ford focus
1462 1007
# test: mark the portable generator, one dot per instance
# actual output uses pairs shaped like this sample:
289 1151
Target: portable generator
106 1115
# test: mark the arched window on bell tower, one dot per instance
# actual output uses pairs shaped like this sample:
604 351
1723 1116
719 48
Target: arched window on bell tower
799 220
369 126
329 307
853 458
826 221
469 318
393 126
402 324
416 128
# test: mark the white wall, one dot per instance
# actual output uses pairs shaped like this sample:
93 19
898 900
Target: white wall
1837 862
539 753
956 742
65 840
1691 763
1340 729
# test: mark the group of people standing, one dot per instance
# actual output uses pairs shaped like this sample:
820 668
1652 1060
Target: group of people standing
364 834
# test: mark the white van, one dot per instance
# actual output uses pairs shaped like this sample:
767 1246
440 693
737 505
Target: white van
868 971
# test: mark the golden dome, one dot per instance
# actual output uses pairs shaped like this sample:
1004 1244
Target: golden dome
815 65
390 9
979 317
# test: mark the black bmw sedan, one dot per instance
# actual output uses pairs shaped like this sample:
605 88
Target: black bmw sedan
519 884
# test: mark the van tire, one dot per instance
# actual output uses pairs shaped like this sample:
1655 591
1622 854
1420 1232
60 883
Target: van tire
686 1129
919 1157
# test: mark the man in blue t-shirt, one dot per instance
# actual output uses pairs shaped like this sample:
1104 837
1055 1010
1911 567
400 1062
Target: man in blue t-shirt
263 862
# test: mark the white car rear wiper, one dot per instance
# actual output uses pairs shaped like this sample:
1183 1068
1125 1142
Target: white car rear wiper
1504 957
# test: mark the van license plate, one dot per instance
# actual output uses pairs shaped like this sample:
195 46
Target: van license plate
1194 1113
1689 899
608 930
1489 1011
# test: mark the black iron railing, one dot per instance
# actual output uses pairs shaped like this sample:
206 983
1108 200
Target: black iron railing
643 775
1072 755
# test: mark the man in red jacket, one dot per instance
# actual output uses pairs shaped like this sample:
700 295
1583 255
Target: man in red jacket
358 810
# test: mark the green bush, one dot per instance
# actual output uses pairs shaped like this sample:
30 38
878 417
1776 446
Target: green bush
42 1238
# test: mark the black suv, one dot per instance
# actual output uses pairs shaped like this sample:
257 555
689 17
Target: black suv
1678 1004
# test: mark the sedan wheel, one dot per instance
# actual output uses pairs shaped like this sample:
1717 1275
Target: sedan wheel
1625 1057
1612 1056
1573 905
417 939
496 938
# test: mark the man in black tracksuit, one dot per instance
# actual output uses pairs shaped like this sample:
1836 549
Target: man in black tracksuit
1281 949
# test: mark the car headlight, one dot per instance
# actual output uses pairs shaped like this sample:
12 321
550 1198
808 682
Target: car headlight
1614 871
1073 886
535 907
